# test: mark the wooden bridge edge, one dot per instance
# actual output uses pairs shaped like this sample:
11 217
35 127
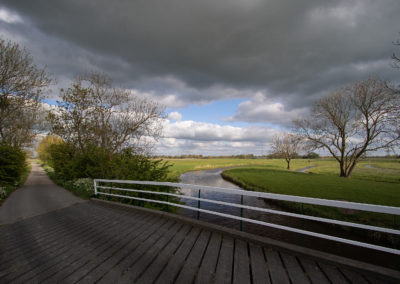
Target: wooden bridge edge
366 268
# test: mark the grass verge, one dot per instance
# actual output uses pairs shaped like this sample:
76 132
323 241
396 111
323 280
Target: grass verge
321 186
8 189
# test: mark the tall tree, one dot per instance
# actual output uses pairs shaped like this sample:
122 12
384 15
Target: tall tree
286 145
22 85
93 112
352 121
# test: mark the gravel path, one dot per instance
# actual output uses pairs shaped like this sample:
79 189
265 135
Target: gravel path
37 196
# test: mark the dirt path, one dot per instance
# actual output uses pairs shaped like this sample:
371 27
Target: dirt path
304 170
37 196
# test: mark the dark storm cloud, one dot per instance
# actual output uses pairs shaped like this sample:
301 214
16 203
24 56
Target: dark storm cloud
291 50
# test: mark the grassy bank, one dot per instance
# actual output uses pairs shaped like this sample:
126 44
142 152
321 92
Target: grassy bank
326 186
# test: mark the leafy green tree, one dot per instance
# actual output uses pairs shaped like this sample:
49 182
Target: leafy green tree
44 147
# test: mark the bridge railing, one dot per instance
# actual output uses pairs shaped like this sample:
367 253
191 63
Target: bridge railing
395 211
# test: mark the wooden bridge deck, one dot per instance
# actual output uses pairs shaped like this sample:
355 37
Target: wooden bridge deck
98 242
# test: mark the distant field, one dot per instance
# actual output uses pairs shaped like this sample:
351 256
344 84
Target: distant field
370 169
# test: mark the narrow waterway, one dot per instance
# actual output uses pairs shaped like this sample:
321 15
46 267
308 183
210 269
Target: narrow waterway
213 178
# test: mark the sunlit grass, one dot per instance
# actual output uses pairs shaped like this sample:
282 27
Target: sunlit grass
387 170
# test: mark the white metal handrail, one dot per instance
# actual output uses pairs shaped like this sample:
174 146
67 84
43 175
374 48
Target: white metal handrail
298 199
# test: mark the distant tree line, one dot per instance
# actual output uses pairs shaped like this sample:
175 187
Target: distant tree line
190 156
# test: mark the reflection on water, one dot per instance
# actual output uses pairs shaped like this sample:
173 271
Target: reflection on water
213 178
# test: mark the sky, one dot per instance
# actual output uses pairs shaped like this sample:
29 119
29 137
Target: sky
231 73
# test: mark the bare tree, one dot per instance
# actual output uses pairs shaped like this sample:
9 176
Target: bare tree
396 58
286 145
93 112
22 85
352 121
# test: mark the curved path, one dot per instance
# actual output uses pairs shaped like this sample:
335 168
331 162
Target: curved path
304 170
37 196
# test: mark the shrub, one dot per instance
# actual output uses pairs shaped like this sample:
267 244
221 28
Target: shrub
71 164
3 193
311 155
12 164
44 146
84 184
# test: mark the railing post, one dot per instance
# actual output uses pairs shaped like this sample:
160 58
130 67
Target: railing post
241 213
167 208
125 199
141 203
198 206
95 187
396 238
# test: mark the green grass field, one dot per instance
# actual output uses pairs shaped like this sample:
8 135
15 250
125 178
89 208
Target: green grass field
385 170
180 166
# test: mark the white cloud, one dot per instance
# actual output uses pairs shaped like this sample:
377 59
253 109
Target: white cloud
9 17
201 131
175 116
190 137
262 109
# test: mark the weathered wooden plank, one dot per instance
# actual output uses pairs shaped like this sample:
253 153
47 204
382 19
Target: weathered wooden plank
30 242
39 226
46 254
241 267
136 260
334 275
61 244
190 267
223 273
293 268
132 251
170 272
95 244
151 273
116 245
46 260
192 263
353 276
275 266
65 226
378 280
259 268
206 272
87 258
313 271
